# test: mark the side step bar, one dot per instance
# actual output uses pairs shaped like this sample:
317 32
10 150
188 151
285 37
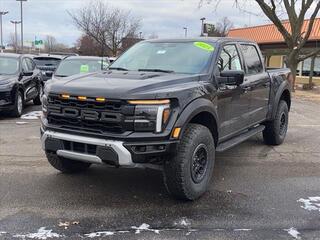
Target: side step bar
239 139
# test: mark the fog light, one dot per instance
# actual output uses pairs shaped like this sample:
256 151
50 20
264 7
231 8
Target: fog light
176 133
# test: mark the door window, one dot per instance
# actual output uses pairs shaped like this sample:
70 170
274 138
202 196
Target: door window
30 64
252 59
229 59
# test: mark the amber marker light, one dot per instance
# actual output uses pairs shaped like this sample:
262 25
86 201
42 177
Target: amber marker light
149 102
100 99
65 96
82 98
176 132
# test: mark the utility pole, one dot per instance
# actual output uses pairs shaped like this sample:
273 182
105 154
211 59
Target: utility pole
15 33
202 24
2 14
21 20
185 32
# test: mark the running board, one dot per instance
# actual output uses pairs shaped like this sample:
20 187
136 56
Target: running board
239 139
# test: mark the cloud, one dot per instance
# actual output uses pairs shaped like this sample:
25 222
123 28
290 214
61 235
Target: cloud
166 18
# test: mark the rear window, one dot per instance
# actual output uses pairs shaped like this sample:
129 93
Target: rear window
252 59
46 61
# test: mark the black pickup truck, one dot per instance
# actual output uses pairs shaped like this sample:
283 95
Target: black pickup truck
169 105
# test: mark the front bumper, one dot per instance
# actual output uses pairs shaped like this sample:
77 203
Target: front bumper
102 151
7 100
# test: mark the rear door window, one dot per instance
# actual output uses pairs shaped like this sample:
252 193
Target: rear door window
252 59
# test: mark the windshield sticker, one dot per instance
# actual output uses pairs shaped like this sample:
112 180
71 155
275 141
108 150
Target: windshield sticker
84 68
161 51
204 46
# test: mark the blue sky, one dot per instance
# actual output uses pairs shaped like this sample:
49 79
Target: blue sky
166 18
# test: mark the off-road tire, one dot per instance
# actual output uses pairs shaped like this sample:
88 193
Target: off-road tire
17 110
276 130
65 165
178 174
38 100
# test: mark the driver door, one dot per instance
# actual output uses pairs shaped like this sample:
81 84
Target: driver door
29 83
233 101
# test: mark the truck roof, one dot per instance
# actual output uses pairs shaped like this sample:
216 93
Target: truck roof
201 39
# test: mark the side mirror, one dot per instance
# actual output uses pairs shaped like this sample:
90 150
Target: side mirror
232 77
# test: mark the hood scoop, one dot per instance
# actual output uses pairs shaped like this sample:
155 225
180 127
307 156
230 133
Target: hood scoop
134 75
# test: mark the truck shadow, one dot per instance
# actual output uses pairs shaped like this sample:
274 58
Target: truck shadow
133 189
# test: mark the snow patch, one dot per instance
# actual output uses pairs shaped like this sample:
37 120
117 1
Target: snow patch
242 229
21 123
311 203
144 227
99 234
42 234
293 232
183 222
32 115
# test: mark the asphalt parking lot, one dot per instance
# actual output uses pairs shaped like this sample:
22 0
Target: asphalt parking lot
258 192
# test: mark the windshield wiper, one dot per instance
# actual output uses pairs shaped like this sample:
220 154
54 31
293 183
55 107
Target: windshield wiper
61 75
118 68
155 70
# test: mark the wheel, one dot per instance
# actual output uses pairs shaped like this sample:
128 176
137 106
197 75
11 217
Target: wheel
276 130
65 165
18 105
38 99
188 174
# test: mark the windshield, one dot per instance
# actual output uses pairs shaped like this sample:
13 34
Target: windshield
8 65
70 67
46 61
183 57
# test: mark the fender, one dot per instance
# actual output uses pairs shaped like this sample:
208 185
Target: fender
195 107
284 86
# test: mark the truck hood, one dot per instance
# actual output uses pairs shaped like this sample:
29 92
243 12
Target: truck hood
122 85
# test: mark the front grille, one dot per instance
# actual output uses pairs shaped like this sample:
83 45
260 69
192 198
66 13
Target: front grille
90 116
80 147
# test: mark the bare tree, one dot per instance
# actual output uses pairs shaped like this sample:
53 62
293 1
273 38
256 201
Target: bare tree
50 43
12 42
296 12
86 45
221 28
107 26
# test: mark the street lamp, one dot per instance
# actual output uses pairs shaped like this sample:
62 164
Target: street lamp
15 33
202 22
21 20
2 14
185 32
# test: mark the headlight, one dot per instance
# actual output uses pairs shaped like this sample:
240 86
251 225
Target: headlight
44 104
150 117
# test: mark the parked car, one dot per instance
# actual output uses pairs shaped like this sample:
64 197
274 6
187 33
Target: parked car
47 63
20 81
80 64
169 105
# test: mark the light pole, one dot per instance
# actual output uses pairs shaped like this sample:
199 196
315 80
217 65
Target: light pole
21 20
15 33
202 22
2 14
185 32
